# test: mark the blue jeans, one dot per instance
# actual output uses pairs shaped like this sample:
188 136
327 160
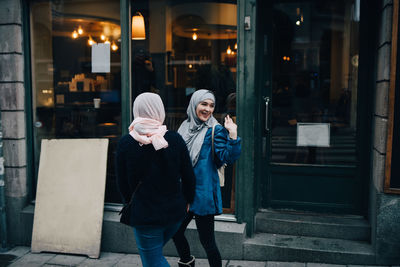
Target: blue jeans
150 241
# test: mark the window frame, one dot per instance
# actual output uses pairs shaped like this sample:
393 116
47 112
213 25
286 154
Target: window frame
126 107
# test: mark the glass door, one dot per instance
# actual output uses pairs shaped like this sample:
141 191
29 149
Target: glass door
311 52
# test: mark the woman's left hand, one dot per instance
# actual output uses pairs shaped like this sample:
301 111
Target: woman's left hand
231 127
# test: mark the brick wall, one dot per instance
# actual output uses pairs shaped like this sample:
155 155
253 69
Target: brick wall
385 207
381 94
12 109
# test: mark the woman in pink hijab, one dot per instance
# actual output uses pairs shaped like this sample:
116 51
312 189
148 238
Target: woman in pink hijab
153 168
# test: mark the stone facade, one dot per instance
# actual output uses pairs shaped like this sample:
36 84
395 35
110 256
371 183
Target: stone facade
12 110
384 208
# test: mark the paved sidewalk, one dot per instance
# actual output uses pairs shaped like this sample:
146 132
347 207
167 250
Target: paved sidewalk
22 256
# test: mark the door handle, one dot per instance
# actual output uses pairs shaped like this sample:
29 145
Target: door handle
266 99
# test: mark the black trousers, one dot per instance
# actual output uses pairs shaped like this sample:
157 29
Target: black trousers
205 228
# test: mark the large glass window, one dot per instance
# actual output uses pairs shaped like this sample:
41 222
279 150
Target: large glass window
314 81
185 46
76 73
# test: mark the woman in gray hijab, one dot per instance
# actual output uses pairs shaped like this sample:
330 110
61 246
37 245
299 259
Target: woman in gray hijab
196 130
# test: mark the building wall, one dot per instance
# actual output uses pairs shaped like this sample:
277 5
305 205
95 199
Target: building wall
12 107
384 208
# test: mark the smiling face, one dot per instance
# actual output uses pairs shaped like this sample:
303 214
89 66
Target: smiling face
205 109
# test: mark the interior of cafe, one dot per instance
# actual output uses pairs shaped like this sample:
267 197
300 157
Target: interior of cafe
177 47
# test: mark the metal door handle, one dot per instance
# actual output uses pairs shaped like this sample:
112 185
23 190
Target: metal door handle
266 99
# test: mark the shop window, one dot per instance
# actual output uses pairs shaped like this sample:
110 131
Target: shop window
76 74
186 46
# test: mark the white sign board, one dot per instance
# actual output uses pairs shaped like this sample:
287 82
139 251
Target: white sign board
70 196
313 134
100 58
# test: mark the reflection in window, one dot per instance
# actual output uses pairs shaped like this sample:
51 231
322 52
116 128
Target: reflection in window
315 70
71 99
188 45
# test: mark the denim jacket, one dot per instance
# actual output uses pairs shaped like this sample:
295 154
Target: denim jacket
207 198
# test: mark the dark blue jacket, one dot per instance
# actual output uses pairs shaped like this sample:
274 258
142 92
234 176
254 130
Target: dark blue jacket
167 177
207 198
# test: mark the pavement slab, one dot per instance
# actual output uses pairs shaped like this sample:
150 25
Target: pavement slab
11 255
324 265
33 259
173 261
236 263
285 264
66 260
6 259
106 260
204 263
18 251
129 260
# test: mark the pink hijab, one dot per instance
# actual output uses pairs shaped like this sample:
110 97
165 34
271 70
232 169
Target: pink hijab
149 115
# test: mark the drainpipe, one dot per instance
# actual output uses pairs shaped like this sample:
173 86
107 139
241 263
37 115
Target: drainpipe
3 217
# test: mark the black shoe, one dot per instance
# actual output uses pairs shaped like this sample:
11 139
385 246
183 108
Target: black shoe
189 263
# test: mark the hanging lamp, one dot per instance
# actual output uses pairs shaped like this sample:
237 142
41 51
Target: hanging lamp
229 50
138 28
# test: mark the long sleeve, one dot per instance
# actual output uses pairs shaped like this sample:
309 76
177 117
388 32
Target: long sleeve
227 150
121 173
188 178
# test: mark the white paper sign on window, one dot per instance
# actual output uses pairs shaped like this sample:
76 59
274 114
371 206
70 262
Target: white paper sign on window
313 134
100 58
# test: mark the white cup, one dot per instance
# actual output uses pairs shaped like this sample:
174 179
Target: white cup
96 102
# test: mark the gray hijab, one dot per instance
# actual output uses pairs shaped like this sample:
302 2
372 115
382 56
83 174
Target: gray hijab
193 130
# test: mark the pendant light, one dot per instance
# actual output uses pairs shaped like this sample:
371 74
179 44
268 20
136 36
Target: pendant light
91 41
74 34
114 47
80 30
229 50
138 29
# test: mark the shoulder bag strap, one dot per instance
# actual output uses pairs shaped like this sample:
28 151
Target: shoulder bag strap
212 141
134 191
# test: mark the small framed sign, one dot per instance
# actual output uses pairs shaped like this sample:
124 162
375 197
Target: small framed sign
101 58
313 134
